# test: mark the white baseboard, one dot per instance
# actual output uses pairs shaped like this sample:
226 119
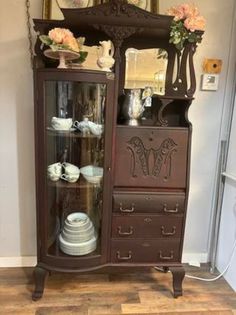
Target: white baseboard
30 261
195 259
22 261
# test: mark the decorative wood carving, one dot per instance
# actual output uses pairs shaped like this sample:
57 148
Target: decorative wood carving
162 156
137 148
161 120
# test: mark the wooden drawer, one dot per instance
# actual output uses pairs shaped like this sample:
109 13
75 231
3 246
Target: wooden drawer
146 226
134 202
151 157
145 251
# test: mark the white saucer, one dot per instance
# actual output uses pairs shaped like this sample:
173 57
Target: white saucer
66 130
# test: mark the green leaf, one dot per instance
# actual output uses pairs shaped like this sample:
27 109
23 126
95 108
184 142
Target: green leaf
46 40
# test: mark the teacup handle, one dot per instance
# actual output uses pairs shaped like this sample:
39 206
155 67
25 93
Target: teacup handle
75 124
63 176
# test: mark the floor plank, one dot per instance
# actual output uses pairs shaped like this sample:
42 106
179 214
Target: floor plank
142 292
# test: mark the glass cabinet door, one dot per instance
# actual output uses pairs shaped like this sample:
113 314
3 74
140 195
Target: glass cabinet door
74 129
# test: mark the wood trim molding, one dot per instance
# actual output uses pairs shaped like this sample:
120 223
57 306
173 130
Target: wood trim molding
31 261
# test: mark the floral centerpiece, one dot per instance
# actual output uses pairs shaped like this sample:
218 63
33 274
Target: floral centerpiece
60 39
185 25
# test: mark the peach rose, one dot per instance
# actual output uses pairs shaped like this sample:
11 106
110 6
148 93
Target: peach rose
72 43
57 35
177 12
195 23
183 11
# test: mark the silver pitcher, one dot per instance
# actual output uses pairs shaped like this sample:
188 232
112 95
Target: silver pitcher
132 107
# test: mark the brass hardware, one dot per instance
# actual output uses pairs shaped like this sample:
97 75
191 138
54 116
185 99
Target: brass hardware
166 257
147 220
130 232
168 233
171 210
124 257
127 210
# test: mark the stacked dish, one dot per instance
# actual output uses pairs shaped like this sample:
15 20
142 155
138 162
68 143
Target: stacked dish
78 236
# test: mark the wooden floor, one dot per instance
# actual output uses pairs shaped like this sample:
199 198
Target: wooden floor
146 291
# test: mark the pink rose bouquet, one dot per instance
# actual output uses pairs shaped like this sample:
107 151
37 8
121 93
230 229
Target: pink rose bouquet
63 39
185 25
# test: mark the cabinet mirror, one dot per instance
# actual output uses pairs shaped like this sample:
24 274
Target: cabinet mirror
146 68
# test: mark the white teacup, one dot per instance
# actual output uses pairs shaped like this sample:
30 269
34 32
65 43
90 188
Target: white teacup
61 123
70 169
71 178
54 171
96 129
82 126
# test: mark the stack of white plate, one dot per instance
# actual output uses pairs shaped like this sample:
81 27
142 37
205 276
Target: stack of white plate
78 236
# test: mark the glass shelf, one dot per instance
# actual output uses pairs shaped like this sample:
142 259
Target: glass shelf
81 183
72 134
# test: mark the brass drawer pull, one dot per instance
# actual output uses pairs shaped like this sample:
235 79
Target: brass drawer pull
168 233
124 257
130 232
127 210
166 257
171 210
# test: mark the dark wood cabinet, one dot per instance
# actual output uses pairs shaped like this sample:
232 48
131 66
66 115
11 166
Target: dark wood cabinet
128 185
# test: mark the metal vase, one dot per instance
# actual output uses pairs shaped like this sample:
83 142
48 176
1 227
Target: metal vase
132 107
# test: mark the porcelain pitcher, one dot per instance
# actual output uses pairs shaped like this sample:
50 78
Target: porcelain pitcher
106 60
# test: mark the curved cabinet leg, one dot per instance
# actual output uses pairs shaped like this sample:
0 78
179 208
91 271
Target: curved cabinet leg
178 276
39 278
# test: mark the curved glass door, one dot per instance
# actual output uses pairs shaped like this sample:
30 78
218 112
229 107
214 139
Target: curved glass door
74 122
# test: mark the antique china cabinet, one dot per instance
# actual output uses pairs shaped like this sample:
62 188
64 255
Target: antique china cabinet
135 208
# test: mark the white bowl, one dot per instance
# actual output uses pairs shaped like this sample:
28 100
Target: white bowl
93 174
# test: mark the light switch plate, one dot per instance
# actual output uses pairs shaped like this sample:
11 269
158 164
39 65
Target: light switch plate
210 82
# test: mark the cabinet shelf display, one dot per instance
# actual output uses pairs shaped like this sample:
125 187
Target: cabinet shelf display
112 158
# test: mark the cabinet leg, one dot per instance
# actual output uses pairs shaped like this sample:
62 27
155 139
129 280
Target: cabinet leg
165 269
178 276
39 278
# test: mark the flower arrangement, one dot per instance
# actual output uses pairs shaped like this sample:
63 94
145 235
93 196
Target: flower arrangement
63 39
187 21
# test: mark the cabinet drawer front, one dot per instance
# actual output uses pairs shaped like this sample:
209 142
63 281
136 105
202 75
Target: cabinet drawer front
145 251
146 226
148 157
127 203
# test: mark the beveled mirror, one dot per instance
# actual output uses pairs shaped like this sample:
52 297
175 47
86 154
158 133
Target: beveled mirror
146 68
